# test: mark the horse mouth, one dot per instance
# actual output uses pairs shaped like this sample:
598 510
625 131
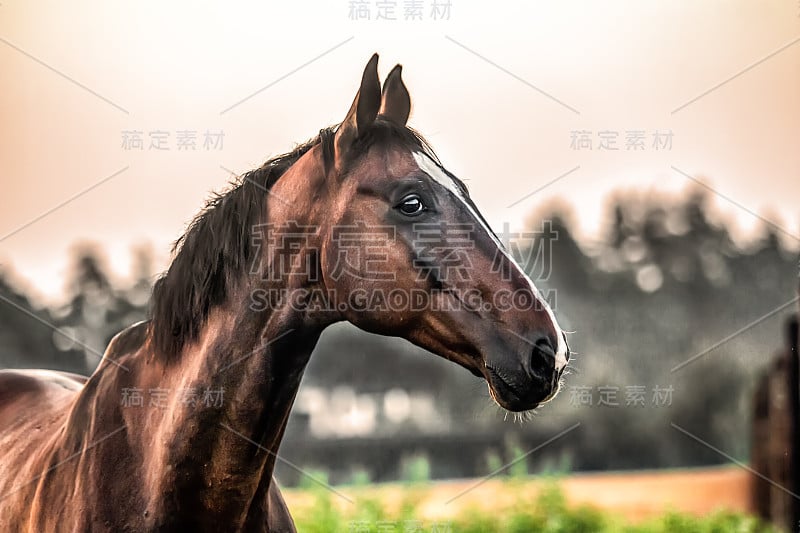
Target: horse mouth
509 395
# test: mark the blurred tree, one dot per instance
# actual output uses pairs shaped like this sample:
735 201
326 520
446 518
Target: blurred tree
665 286
97 310
27 334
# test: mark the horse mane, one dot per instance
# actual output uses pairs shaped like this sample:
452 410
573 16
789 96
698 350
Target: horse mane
216 249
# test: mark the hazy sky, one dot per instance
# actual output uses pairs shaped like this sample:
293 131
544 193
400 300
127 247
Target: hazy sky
498 88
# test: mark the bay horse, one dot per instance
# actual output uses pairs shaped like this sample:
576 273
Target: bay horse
379 234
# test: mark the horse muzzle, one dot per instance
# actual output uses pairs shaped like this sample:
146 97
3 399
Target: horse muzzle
525 386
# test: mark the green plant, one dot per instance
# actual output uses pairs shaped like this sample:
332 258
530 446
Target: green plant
416 469
547 512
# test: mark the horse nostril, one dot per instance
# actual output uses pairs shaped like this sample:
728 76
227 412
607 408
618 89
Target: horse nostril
566 345
543 359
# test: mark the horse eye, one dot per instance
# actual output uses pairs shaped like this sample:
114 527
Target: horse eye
411 205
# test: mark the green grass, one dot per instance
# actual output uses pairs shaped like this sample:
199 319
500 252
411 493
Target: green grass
546 513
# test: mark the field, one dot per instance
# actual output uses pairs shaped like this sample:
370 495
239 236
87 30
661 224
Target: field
706 500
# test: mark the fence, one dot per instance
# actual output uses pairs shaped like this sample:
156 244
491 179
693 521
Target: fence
775 451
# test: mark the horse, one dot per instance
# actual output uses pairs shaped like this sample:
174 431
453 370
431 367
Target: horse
360 224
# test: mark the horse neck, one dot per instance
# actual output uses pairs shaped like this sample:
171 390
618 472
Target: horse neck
252 358
218 455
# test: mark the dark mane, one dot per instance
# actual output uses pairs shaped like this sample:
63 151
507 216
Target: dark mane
216 249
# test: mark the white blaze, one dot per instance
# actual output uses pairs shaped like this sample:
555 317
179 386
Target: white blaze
427 165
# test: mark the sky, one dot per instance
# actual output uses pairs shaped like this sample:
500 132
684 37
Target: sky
516 98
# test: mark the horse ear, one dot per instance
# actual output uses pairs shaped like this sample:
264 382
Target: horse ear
362 113
395 100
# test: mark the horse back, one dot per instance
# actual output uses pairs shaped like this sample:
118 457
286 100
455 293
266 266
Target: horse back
33 407
19 388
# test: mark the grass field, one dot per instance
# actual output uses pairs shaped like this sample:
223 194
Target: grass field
702 501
